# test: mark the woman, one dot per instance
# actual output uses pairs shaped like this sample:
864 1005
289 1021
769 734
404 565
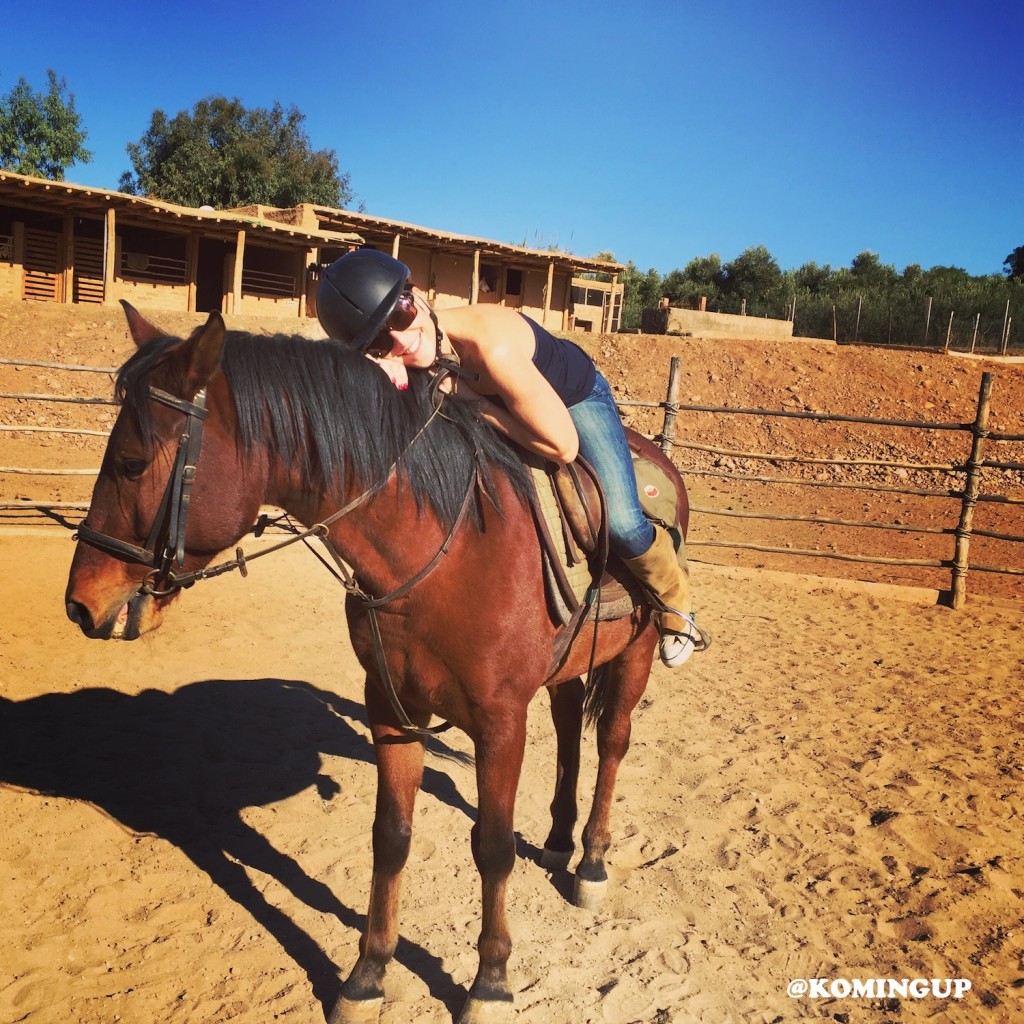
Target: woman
543 392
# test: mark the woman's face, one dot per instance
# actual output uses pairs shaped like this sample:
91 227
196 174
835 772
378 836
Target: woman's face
414 345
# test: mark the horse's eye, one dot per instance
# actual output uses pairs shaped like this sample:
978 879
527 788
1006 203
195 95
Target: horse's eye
133 468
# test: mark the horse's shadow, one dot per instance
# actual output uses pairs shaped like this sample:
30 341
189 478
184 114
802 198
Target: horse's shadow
184 765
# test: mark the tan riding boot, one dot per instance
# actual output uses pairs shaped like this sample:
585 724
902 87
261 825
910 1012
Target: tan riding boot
658 569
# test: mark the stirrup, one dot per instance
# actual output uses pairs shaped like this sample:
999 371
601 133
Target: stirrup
675 647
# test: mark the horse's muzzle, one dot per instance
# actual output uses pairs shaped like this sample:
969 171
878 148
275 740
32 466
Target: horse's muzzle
128 624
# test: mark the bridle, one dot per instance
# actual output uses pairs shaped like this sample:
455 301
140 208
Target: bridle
171 521
165 545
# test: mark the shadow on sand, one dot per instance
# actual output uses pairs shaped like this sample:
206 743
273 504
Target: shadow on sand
184 765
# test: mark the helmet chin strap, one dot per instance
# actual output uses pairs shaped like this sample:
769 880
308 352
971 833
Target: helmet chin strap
447 362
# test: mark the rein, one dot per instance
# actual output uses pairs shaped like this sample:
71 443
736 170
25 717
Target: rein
171 521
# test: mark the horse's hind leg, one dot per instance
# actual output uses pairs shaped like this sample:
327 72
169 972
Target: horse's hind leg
567 716
399 772
625 679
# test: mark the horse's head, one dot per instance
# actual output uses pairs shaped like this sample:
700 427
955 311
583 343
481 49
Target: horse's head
215 425
154 513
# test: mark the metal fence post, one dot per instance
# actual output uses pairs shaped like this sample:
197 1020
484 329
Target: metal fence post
972 486
668 426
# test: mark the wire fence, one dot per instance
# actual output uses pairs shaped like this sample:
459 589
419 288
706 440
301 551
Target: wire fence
971 323
922 323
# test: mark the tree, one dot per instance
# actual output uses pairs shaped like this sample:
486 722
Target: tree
1013 265
41 133
868 271
639 292
943 280
706 273
753 275
224 155
676 288
812 277
701 278
605 254
912 274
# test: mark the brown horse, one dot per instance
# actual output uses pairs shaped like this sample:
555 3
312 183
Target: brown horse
446 602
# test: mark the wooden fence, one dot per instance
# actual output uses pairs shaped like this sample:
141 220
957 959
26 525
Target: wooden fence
977 436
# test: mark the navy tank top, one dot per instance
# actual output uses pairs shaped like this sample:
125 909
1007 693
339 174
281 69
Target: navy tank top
564 365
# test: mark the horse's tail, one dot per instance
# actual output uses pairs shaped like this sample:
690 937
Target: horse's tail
595 695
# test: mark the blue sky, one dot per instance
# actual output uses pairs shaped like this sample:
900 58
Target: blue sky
659 130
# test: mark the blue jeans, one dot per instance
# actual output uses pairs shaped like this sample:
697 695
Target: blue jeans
603 445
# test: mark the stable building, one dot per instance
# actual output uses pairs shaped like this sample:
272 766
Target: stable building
61 242
558 290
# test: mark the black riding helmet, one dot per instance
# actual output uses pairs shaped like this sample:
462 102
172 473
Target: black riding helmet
357 294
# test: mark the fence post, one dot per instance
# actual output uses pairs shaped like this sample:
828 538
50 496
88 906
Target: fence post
979 431
668 426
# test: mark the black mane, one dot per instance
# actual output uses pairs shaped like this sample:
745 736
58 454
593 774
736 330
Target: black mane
319 406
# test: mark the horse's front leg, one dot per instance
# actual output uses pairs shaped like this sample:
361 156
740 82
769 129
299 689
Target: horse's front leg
499 760
399 773
567 717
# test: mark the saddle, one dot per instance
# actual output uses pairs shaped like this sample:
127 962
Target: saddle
569 509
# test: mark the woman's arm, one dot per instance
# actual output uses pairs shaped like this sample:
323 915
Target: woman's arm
512 426
499 343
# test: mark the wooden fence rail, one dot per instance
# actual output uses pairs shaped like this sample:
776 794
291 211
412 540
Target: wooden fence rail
969 496
73 399
57 366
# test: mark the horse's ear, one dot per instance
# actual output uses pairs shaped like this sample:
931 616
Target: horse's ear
141 330
207 343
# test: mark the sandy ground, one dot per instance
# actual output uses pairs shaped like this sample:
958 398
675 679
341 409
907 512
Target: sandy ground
833 791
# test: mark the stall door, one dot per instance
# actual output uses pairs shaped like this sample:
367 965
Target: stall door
42 265
88 270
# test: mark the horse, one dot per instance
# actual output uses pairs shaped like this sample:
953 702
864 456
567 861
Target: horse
429 510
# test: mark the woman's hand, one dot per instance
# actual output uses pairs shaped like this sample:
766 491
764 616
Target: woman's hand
395 369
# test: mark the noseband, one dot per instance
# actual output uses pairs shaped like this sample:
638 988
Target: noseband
171 517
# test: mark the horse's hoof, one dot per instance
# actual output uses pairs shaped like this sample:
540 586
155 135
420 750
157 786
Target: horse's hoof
555 860
589 895
487 1011
356 1011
